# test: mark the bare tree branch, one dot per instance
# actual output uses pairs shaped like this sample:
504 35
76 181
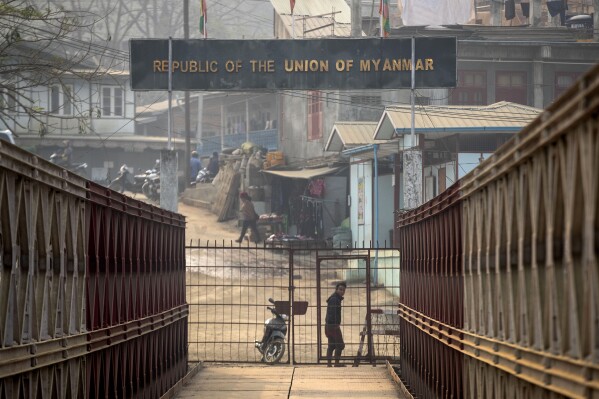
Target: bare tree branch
39 49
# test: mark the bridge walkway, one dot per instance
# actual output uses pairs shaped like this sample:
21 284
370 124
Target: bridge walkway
288 382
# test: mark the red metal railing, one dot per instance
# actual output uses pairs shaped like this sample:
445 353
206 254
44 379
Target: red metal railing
92 287
500 281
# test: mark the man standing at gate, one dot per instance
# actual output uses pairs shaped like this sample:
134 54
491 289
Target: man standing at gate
332 328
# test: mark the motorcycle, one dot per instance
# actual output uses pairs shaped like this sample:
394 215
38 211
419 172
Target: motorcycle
151 186
204 176
79 168
124 180
140 178
272 345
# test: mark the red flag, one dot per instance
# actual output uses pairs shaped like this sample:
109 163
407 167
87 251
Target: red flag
203 18
292 5
384 18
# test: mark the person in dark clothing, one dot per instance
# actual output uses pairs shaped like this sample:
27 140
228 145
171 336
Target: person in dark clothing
213 166
332 328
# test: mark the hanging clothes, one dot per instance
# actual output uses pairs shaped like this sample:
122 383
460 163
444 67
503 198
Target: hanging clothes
510 9
436 12
316 188
556 7
525 9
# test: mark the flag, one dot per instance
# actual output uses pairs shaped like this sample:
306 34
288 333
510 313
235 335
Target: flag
203 18
292 5
385 23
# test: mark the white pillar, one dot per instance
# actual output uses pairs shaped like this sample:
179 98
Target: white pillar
222 126
200 128
537 81
412 175
169 183
247 120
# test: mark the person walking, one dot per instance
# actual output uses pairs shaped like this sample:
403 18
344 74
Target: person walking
332 328
67 153
194 166
249 217
213 165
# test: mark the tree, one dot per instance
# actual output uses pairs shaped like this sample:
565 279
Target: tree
37 51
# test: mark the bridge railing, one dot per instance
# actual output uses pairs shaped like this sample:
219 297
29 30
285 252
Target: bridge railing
92 287
521 308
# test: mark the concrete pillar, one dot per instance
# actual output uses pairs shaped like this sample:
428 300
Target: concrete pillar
200 127
169 187
356 18
412 178
412 173
496 13
537 84
535 12
247 120
222 126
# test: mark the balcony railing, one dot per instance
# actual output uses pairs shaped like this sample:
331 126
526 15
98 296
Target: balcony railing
268 139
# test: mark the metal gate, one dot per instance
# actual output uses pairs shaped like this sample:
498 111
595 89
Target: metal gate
228 287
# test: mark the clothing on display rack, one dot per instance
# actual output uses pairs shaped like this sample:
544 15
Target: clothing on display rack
311 218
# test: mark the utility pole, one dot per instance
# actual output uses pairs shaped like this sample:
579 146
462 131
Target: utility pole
356 18
187 104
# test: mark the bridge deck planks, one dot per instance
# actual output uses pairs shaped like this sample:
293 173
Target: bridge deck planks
305 382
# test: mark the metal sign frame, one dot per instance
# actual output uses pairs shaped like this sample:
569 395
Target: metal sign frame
306 64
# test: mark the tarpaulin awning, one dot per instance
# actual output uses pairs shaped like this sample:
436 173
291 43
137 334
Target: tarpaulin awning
302 174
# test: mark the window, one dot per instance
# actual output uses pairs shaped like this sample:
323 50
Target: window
60 100
563 81
314 115
511 86
471 89
112 101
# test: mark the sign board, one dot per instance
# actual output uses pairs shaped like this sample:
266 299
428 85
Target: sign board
334 64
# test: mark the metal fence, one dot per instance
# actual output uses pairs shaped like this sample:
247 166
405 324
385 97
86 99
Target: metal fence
228 287
501 286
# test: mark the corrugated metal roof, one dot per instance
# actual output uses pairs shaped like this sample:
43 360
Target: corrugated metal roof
495 117
314 8
350 134
311 27
302 174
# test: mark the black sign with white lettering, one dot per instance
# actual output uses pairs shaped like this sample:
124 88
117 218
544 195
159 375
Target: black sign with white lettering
334 64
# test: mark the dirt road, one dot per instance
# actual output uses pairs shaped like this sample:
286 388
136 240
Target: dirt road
202 225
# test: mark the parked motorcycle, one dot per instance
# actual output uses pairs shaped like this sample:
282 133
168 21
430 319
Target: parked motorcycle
140 178
272 345
123 181
79 168
151 186
204 176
